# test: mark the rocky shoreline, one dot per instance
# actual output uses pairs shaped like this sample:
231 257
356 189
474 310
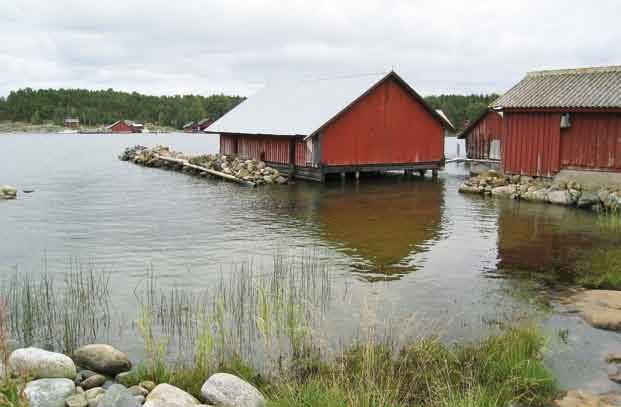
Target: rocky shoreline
491 183
252 172
99 375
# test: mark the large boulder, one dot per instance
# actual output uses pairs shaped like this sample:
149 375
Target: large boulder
560 197
37 363
168 395
227 390
118 396
49 392
102 359
506 191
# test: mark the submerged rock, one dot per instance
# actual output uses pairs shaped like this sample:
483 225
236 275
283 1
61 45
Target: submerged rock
168 395
8 192
579 398
600 308
588 199
48 392
102 359
41 364
223 389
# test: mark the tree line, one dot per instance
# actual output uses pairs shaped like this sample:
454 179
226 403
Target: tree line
100 107
461 108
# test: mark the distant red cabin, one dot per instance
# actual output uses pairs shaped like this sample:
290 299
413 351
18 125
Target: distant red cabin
484 136
353 124
562 119
125 126
197 127
72 123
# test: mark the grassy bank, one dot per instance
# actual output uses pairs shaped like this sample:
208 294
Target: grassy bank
504 369
264 328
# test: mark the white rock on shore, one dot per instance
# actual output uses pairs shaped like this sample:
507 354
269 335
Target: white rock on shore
41 364
168 395
226 390
49 392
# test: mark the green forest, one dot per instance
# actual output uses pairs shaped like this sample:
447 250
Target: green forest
461 108
100 107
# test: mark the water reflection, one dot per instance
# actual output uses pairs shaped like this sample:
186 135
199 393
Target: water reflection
382 222
548 239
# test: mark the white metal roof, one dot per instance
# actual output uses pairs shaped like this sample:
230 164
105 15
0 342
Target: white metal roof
297 108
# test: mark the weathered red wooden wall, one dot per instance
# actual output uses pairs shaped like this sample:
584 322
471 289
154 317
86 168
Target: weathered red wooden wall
304 153
479 138
531 143
227 144
276 149
592 142
388 126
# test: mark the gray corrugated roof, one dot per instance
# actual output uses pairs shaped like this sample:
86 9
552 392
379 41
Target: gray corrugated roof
597 87
300 108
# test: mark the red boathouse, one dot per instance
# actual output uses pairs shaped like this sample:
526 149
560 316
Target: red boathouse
352 124
484 136
560 120
125 126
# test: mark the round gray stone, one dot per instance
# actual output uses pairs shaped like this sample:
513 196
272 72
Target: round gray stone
223 389
49 392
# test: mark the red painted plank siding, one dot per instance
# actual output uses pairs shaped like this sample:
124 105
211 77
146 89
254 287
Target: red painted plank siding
227 144
304 153
388 126
531 143
273 149
478 140
592 142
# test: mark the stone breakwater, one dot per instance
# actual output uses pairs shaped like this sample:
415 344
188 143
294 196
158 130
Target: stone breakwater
251 172
543 190
99 375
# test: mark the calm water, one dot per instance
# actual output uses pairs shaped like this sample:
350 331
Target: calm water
402 249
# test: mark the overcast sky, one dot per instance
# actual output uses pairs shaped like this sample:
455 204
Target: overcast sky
235 47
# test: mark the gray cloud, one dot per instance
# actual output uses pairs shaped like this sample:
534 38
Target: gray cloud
194 46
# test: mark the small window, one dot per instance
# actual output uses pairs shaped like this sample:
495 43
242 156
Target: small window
565 121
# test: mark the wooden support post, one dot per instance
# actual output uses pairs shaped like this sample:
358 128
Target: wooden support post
434 173
291 158
422 172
